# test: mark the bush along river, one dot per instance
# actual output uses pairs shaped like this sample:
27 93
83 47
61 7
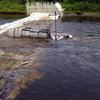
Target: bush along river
68 69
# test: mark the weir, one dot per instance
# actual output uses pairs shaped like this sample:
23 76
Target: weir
35 11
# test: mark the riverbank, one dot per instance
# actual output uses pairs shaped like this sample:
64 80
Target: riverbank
88 11
20 8
81 16
81 6
72 11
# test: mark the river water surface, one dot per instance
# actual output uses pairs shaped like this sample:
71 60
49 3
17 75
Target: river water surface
4 21
70 67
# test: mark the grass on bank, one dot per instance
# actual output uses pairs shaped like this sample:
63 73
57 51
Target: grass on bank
10 7
80 7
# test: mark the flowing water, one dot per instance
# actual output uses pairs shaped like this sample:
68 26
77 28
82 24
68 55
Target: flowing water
4 21
8 18
70 67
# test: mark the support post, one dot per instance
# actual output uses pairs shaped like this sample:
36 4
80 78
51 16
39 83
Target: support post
14 33
55 27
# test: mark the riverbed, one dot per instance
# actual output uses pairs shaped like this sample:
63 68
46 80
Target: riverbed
68 69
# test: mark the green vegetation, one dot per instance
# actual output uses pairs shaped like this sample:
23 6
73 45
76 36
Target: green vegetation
18 6
81 6
12 6
81 10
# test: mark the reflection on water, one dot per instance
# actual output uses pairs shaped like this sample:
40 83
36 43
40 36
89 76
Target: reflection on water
71 66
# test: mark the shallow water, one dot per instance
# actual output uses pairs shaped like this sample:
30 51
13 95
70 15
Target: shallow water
70 67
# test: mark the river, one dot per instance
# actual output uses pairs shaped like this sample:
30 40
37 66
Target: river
3 21
7 18
70 67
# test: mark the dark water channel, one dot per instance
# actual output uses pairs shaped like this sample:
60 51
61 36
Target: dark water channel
71 66
7 18
4 21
